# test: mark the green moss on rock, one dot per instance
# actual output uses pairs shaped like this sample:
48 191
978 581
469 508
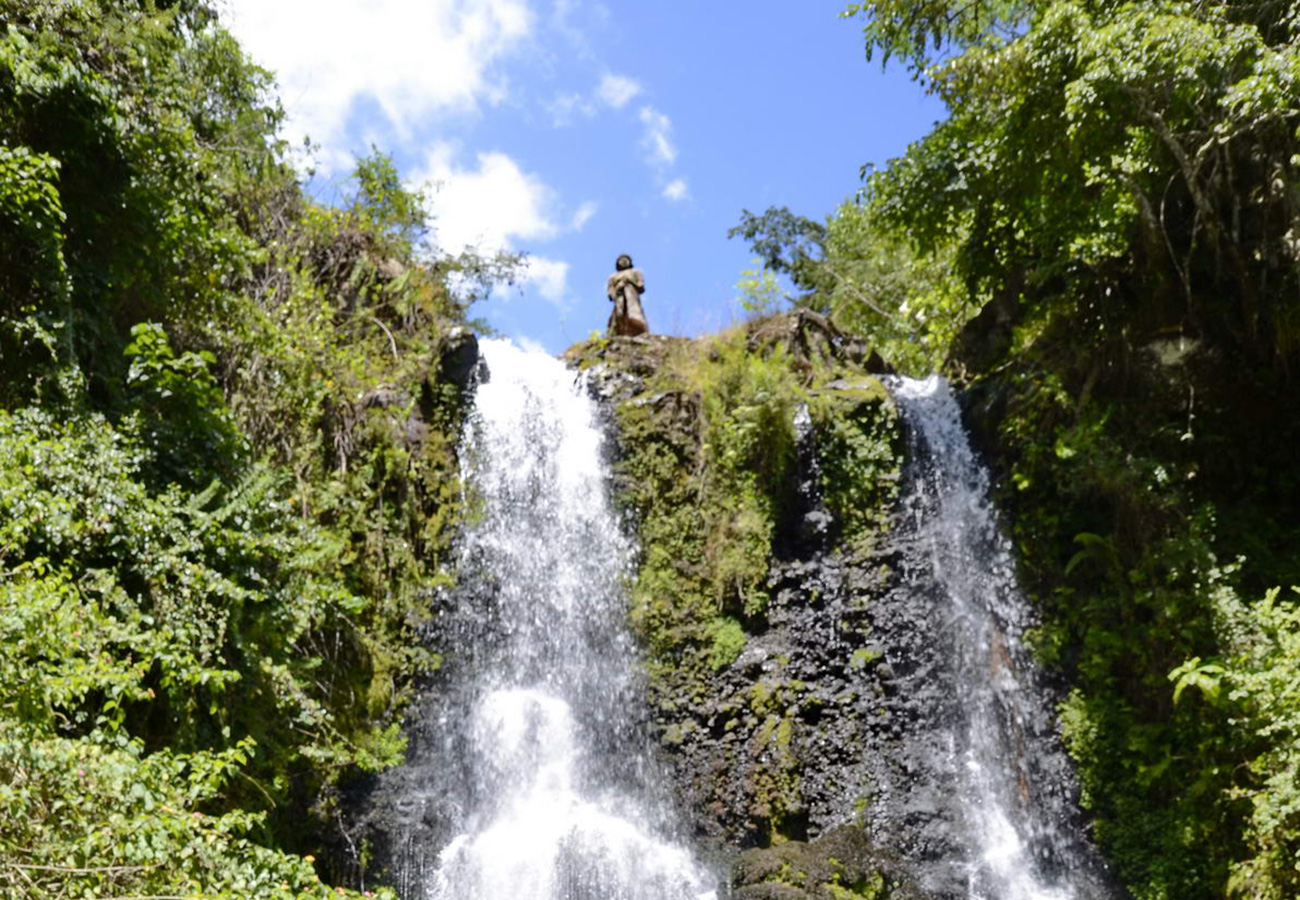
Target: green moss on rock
714 471
840 865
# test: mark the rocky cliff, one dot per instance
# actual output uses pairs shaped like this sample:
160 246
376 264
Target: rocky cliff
759 470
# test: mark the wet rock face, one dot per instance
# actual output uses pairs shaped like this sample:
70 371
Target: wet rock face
771 749
459 363
802 735
830 718
839 865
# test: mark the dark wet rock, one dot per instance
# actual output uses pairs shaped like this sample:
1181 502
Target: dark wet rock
616 368
768 747
839 865
986 338
458 358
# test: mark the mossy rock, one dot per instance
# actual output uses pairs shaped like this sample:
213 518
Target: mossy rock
723 449
839 865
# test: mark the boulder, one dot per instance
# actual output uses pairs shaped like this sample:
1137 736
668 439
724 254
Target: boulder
839 865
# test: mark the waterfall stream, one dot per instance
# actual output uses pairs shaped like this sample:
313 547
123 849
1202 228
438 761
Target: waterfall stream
988 731
541 755
529 775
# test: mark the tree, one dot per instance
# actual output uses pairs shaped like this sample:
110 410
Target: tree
788 245
867 276
1109 151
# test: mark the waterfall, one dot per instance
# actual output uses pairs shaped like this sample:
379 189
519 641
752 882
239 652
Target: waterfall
980 737
537 759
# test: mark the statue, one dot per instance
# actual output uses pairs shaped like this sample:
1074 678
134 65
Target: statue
625 288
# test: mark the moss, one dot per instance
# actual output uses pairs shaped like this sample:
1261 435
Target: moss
859 444
863 657
707 467
871 888
841 864
728 640
776 775
722 417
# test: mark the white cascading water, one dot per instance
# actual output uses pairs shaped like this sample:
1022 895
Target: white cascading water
1020 836
556 798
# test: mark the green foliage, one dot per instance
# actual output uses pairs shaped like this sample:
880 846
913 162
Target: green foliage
1123 504
1133 160
759 292
858 448
786 244
728 640
384 207
33 278
156 120
709 539
866 274
181 410
189 621
100 817
334 371
747 403
907 303
184 618
925 32
227 476
1255 685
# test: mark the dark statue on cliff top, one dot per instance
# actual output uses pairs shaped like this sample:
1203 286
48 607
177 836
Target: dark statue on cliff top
625 288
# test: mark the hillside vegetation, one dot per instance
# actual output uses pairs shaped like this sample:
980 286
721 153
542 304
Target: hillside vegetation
227 470
228 415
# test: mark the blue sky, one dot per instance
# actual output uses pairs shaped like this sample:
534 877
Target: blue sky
576 130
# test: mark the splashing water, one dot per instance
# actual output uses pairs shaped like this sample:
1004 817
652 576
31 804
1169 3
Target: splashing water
550 776
1017 825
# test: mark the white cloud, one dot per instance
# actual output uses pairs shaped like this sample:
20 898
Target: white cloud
493 206
613 91
488 206
550 277
574 21
617 90
410 57
677 189
657 138
583 215
567 107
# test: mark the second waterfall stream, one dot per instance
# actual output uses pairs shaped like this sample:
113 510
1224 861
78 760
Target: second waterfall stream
1005 825
544 762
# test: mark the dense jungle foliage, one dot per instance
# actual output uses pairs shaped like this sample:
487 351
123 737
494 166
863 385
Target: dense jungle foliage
226 463
1115 193
227 474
